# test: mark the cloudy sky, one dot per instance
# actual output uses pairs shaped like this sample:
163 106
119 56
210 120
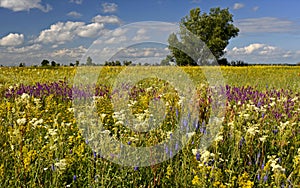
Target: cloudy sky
63 30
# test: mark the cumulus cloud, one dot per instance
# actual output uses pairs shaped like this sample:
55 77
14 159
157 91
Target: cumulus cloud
76 1
106 19
63 32
237 6
141 35
249 49
21 5
109 7
266 25
74 14
90 30
25 49
262 53
12 39
60 32
69 53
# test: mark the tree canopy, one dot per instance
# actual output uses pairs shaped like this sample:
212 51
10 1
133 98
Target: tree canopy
214 29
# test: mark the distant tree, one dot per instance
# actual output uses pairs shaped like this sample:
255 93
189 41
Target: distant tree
53 63
223 61
118 63
45 63
214 29
127 63
89 61
238 63
77 63
22 65
72 65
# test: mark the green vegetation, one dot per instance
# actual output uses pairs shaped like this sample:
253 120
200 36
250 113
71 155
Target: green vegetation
257 145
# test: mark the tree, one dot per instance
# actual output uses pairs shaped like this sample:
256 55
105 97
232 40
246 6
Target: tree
45 63
214 29
89 61
22 65
53 64
77 63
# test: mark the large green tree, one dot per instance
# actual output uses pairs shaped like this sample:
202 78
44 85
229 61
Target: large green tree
214 29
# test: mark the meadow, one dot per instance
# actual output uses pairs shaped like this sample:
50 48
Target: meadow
43 143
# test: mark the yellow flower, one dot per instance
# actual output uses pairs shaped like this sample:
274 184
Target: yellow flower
196 180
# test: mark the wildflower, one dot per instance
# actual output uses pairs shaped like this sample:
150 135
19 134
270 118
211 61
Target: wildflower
74 178
196 180
198 156
136 168
62 164
21 121
263 138
258 177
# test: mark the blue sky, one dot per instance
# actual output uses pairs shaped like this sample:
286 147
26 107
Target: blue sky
63 30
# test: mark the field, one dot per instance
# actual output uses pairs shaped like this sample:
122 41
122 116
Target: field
58 130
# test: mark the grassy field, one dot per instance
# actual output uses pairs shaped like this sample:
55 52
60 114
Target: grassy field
253 136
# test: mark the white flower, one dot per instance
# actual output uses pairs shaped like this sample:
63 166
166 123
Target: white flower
263 138
218 138
252 130
71 110
62 164
24 96
52 132
105 132
189 135
195 151
21 121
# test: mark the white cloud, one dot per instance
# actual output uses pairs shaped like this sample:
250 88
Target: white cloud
237 6
248 49
74 14
255 8
90 30
21 5
106 19
109 7
265 25
114 40
69 53
76 1
25 49
262 53
62 32
12 39
141 35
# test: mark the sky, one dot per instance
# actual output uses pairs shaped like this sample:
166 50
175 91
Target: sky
64 30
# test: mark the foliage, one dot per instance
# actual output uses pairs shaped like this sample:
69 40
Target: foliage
214 29
45 62
42 144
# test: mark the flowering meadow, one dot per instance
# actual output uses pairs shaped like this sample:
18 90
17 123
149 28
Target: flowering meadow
43 144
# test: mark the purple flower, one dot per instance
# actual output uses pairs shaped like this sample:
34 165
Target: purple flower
198 156
129 142
258 177
136 168
74 178
265 178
